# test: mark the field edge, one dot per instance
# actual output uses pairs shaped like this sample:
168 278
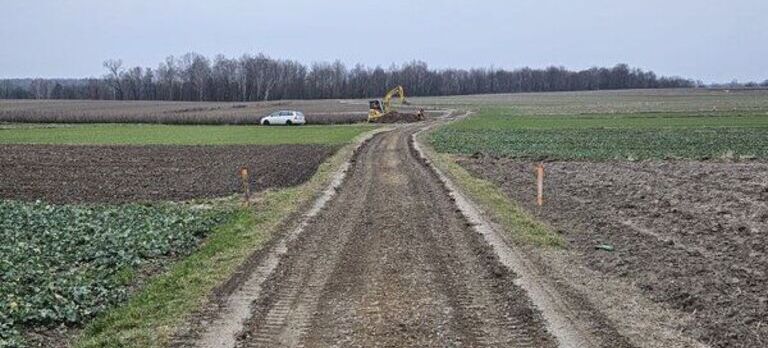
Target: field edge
517 223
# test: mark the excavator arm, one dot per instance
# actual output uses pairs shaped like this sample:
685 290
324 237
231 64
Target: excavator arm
397 91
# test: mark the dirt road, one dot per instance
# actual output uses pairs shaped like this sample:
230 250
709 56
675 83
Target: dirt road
390 262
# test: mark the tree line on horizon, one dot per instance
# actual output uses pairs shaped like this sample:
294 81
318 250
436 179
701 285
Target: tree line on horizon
194 77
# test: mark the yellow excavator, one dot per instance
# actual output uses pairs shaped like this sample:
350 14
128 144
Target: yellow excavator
382 107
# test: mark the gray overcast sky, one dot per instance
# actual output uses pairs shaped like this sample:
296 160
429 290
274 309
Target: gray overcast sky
701 39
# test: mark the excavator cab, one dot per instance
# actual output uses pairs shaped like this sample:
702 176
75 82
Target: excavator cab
375 110
375 105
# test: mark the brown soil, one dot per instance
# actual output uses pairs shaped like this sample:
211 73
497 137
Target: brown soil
118 174
398 117
689 235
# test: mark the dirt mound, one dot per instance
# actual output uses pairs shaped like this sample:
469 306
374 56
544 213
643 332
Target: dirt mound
119 174
398 117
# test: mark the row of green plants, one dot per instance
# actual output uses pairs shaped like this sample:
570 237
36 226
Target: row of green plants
64 264
501 133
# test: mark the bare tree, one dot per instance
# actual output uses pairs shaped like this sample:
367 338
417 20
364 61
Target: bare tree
114 71
132 83
168 74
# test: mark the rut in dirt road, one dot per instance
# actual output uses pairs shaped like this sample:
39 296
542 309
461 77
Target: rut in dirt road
391 262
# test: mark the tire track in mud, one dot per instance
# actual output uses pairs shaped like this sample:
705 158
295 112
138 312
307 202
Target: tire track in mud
391 262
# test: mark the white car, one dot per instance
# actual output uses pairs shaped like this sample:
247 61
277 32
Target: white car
286 117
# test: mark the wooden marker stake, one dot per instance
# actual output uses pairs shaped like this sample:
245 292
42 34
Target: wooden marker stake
540 184
246 185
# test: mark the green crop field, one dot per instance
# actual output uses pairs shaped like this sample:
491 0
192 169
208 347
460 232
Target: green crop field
141 134
599 136
66 264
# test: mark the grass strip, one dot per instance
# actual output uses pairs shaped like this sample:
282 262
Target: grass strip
518 223
144 134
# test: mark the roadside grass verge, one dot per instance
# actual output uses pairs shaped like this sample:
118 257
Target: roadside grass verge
520 225
150 318
143 134
502 132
